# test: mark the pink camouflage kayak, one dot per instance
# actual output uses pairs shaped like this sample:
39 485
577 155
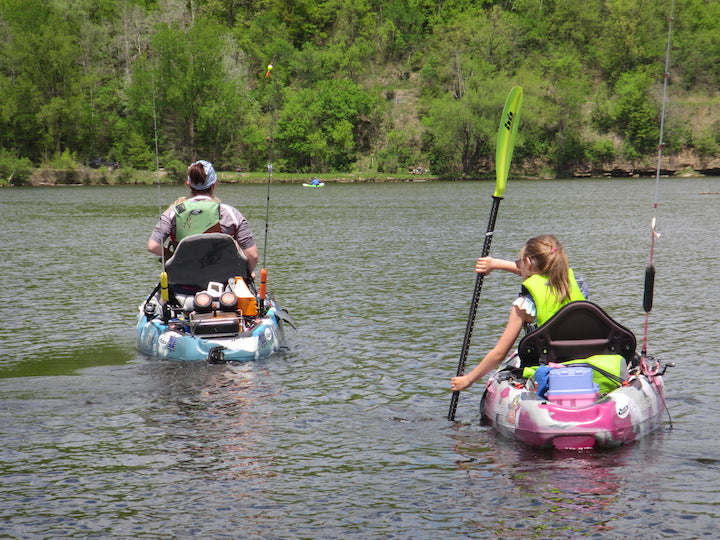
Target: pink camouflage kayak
576 383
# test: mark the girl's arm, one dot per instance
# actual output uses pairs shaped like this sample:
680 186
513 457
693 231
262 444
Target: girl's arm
496 355
485 265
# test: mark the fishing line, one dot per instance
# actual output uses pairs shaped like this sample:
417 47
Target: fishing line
267 201
164 288
157 164
263 270
650 270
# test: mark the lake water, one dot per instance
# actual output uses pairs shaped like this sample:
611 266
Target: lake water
344 433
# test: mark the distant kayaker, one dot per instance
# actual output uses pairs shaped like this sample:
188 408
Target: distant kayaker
548 284
200 213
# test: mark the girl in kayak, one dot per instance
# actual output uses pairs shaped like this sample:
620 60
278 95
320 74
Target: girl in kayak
548 284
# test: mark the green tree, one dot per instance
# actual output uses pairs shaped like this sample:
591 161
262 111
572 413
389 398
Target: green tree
78 78
42 78
461 133
319 128
632 115
633 36
401 27
200 98
13 170
473 45
697 44
54 75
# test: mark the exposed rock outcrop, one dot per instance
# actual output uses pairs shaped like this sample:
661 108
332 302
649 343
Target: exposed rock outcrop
685 163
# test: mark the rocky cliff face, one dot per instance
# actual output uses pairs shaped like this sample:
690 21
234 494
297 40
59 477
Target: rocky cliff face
686 163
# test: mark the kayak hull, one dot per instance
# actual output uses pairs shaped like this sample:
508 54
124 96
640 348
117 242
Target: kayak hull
168 340
206 306
620 417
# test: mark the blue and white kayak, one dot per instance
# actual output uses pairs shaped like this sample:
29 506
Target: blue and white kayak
205 307
178 339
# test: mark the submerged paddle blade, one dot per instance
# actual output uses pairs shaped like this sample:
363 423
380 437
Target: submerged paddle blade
285 317
506 138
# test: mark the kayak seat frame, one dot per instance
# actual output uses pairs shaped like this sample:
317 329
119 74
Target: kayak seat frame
578 330
202 258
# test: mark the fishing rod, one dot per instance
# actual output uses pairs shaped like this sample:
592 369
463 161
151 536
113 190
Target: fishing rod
650 270
164 285
263 270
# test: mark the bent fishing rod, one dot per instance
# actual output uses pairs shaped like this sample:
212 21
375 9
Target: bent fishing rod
650 270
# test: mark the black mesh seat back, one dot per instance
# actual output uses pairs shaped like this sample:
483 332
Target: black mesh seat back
577 330
202 258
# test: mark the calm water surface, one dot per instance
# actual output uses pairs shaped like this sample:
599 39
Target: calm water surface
344 433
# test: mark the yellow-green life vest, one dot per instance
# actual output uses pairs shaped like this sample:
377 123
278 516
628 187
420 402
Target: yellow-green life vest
546 302
196 216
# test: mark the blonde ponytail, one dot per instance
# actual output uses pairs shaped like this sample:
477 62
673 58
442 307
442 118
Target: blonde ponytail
548 258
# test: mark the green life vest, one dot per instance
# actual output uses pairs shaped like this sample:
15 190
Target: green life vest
608 370
545 301
196 216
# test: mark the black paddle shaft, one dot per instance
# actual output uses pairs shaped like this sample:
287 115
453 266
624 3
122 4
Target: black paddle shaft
473 305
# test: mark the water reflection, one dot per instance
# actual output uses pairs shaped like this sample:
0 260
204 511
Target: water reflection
545 493
41 362
209 415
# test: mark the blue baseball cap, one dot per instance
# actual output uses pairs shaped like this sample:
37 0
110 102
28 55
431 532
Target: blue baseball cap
210 175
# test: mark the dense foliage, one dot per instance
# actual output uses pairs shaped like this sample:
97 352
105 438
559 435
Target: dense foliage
356 84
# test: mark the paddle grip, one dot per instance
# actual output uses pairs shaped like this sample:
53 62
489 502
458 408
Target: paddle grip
263 283
649 288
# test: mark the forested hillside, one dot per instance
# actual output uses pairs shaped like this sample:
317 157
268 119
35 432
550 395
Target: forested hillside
377 85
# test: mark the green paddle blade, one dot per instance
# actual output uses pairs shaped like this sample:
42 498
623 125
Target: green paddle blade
506 138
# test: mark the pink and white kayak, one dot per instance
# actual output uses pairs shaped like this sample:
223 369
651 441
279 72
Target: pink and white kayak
578 401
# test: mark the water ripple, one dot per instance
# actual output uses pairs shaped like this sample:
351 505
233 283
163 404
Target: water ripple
343 433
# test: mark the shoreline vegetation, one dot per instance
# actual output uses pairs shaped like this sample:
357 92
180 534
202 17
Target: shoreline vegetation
378 88
111 176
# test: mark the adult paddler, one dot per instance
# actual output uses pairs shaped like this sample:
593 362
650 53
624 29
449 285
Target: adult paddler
200 213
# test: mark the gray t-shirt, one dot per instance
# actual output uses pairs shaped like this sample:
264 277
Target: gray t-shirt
232 222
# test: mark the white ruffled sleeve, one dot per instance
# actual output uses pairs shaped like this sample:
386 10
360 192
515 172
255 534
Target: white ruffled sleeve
527 304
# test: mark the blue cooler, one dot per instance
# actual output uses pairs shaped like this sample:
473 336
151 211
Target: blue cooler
572 387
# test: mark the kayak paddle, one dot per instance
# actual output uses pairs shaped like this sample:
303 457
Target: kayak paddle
503 155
